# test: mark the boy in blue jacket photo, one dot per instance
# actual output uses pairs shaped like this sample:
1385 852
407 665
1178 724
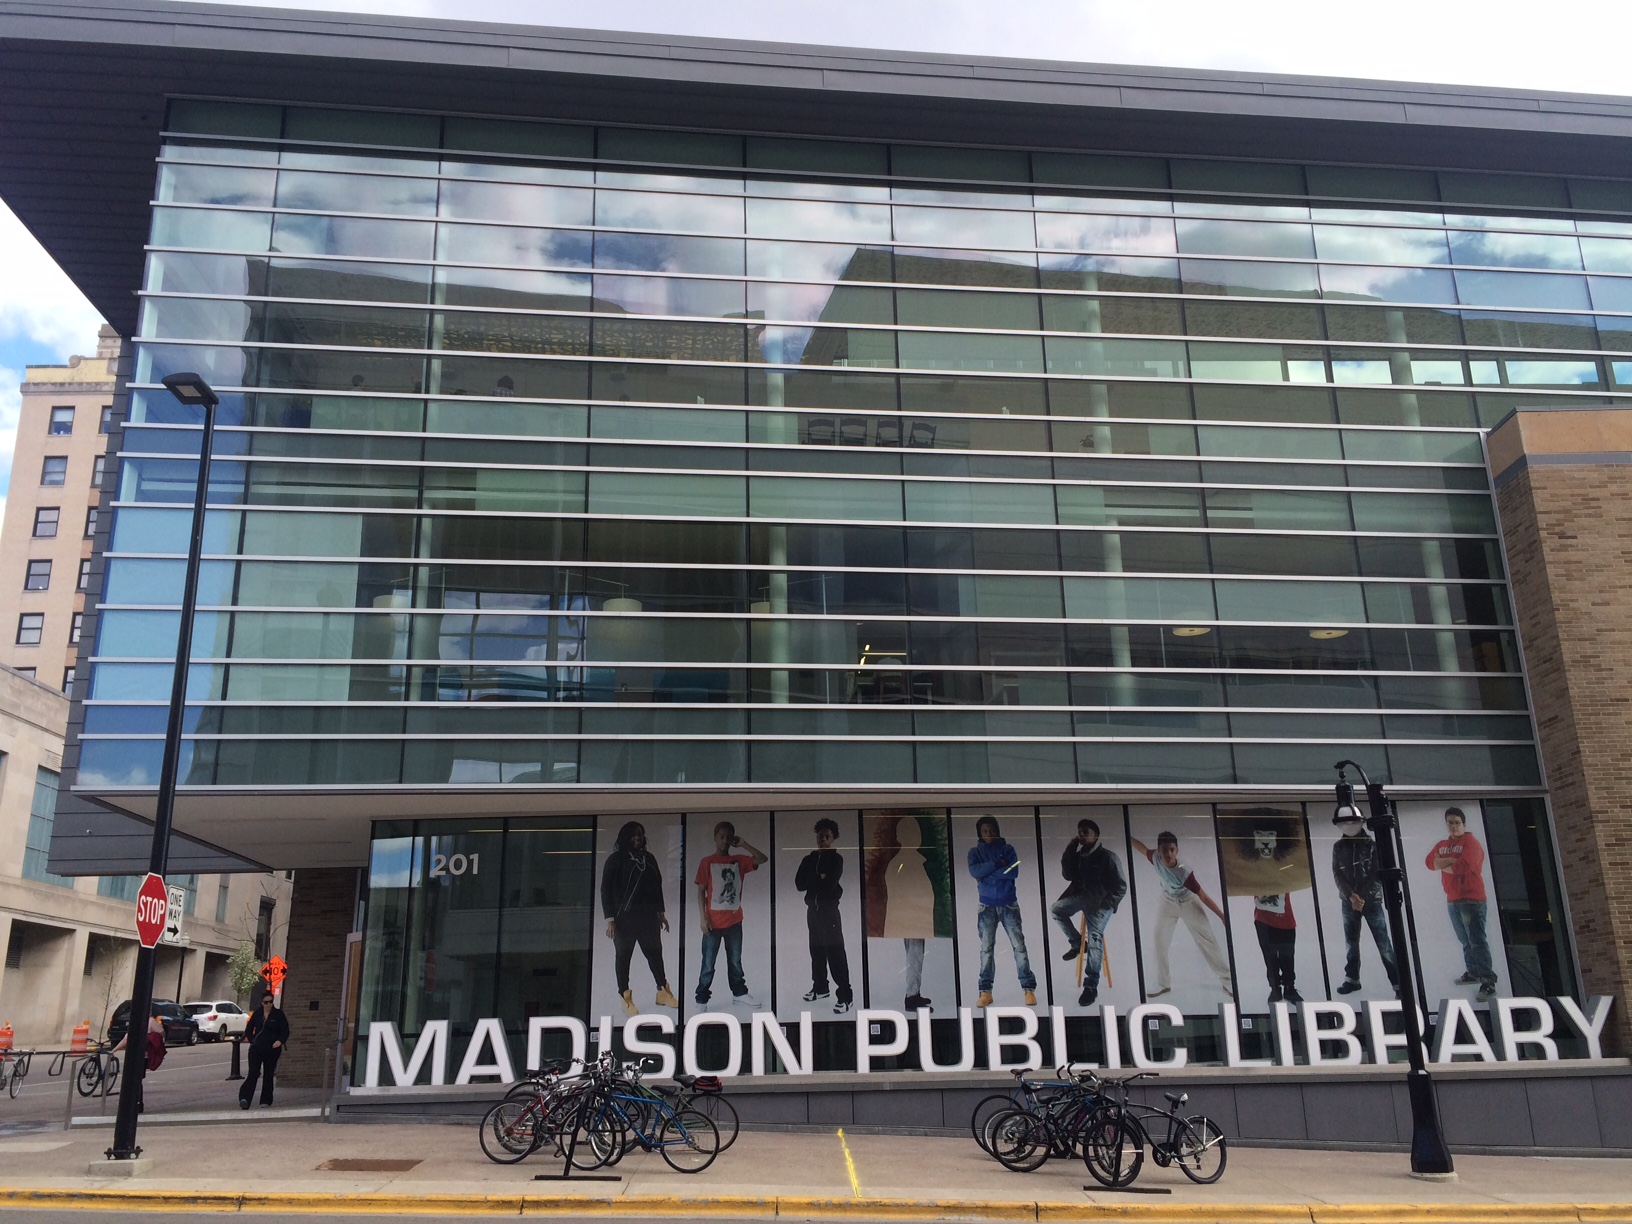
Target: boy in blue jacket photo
994 864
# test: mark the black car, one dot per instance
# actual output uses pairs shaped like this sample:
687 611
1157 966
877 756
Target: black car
179 1027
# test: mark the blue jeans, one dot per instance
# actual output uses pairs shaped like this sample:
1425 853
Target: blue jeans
1377 920
731 937
1091 941
1468 921
1009 916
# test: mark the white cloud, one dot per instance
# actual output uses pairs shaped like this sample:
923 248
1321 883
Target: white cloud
37 300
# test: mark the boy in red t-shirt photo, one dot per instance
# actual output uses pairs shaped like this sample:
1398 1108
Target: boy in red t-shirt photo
719 908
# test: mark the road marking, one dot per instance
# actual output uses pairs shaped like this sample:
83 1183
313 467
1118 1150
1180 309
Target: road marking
850 1166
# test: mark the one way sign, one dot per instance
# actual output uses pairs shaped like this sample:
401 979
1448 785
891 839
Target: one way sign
172 917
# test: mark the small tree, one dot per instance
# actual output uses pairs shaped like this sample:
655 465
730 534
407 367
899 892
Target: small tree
244 969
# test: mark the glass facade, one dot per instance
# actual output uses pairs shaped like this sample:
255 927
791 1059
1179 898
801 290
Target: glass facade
722 460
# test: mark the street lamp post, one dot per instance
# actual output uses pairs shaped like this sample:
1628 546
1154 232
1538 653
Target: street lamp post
193 392
1429 1155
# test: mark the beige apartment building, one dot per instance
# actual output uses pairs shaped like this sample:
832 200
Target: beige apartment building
45 542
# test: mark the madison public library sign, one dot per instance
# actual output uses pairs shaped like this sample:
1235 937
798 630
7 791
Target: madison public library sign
1331 1034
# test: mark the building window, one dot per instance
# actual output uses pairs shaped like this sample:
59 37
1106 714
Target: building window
75 628
189 885
41 814
106 424
30 625
120 888
54 471
90 522
62 421
263 929
45 522
222 889
26 672
39 576
84 575
67 682
99 468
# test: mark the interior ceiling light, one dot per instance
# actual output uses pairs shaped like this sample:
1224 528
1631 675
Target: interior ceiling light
1191 631
1326 635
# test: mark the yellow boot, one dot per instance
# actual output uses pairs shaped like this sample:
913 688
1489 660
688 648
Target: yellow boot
665 997
629 1003
1031 998
985 999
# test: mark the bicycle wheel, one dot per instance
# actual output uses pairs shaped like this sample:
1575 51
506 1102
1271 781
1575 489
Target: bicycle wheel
719 1111
111 1075
1200 1151
1018 1140
980 1120
688 1140
1113 1148
88 1078
14 1083
600 1140
509 1131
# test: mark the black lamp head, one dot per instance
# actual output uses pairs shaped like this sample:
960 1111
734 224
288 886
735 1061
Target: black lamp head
192 390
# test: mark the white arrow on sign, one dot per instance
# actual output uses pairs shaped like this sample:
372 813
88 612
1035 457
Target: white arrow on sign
172 916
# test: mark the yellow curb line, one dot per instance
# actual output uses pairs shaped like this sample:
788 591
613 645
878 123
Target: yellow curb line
713 1206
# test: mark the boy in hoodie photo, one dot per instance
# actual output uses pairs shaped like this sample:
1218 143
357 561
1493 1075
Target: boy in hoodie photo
1095 889
818 878
1460 861
1358 873
994 863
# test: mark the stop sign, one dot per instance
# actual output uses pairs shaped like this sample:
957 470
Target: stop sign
152 904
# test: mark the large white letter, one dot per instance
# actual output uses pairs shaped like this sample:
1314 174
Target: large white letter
966 1040
1454 1015
866 1050
1315 1038
1229 1020
663 1051
1591 1025
765 1025
1512 1037
1285 1053
1136 1035
433 1043
733 1038
1382 1041
997 1040
535 1038
488 1032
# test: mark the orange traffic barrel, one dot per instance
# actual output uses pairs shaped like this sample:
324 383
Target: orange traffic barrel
82 1038
6 1035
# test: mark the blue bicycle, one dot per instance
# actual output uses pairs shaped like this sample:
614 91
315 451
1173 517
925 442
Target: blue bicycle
617 1115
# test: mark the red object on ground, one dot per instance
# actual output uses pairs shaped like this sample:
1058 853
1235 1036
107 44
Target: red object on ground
152 904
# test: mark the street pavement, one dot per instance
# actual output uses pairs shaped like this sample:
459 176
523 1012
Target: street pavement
264 1164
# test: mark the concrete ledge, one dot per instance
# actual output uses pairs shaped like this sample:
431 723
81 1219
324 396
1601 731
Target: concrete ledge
210 1115
738 1206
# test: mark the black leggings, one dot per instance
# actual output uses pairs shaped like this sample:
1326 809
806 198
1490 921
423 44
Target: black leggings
643 927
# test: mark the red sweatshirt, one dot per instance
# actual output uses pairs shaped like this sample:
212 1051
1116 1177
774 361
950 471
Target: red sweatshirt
1465 881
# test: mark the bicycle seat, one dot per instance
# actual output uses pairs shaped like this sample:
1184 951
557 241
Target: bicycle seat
666 1089
686 1081
1176 1099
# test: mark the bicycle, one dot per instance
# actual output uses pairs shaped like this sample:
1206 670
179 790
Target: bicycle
617 1115
1116 1135
1022 1139
99 1071
1029 1095
13 1069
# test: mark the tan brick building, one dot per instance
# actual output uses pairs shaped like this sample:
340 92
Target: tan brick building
1564 492
45 542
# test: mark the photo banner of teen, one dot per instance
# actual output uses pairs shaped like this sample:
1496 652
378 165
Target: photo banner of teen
1002 939
1459 933
637 931
1270 886
1092 956
1184 935
728 882
819 885
907 906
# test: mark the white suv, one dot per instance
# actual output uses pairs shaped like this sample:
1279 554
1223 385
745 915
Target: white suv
219 1020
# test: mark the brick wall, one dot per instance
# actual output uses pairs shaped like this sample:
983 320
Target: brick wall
320 917
1568 530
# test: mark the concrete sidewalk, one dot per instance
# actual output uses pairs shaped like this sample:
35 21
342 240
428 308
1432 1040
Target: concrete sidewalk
278 1165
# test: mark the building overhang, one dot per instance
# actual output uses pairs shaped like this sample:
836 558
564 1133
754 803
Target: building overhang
84 83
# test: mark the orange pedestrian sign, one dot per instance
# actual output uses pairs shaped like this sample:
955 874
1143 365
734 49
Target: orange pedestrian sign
274 972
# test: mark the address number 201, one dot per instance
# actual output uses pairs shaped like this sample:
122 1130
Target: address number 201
455 865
